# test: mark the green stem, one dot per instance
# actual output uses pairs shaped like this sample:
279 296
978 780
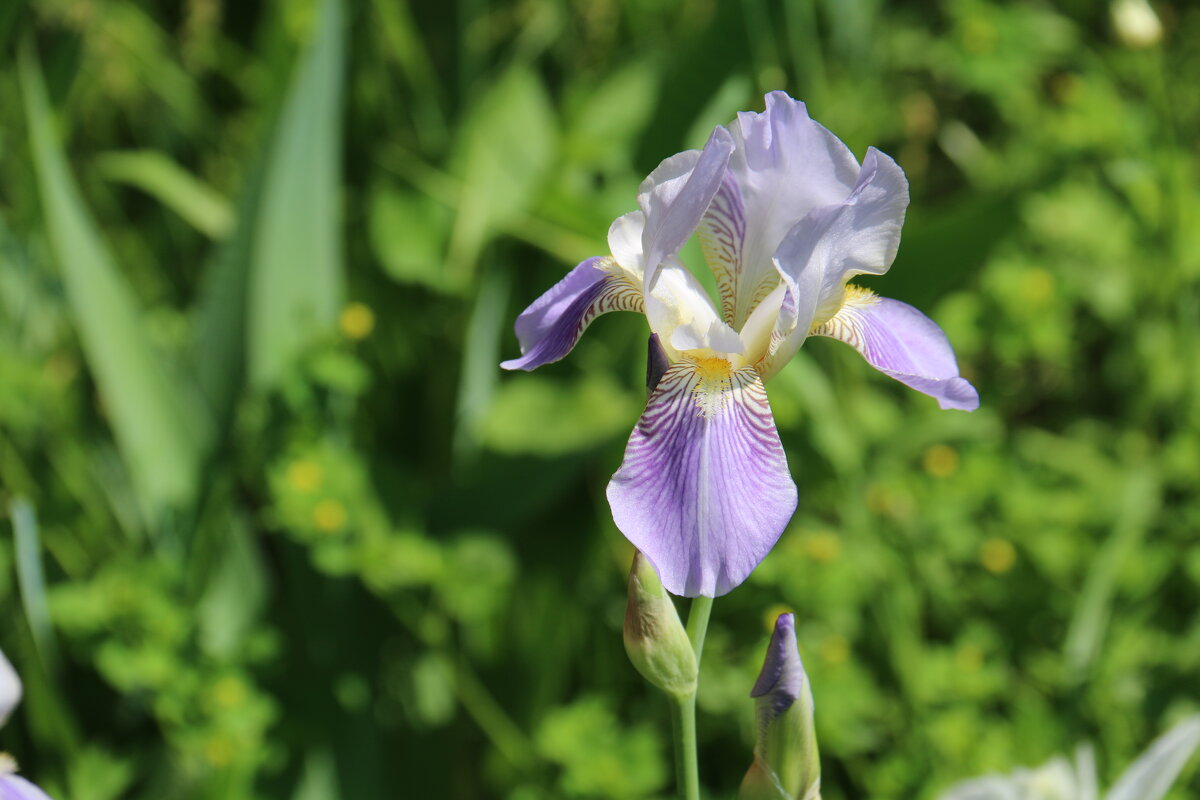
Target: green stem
697 624
683 725
683 720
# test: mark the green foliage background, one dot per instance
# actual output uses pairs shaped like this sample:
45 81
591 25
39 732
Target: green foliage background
277 525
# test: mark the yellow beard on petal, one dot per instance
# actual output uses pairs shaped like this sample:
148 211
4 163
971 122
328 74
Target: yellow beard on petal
854 298
711 392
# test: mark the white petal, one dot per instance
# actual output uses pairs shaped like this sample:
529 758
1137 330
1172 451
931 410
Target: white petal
833 243
10 689
625 243
675 196
1152 774
784 165
683 315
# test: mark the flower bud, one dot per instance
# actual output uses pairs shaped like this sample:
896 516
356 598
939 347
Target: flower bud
786 766
10 689
655 639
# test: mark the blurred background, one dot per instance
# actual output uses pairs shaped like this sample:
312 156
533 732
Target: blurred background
276 525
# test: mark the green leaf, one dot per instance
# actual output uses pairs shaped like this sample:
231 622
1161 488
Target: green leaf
296 276
219 346
508 144
408 234
611 116
235 594
155 173
32 577
161 431
542 416
319 781
481 357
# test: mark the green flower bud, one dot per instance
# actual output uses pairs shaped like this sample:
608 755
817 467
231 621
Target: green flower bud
655 639
786 766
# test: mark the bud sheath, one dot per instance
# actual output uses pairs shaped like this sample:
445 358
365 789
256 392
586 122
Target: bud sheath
655 639
786 765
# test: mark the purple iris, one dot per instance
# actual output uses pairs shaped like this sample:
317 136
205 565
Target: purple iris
786 216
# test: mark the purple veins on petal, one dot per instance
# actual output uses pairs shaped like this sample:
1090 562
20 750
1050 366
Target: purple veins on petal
704 490
901 342
551 326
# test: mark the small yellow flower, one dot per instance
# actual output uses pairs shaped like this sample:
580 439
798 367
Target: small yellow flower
219 750
835 650
356 321
969 658
997 555
941 461
229 692
304 475
1037 286
329 516
822 547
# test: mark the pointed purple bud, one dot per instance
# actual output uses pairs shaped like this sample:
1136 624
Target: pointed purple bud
786 764
655 639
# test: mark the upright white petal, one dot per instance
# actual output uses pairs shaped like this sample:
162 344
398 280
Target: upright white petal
784 165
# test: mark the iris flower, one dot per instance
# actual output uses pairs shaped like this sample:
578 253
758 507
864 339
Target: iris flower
786 216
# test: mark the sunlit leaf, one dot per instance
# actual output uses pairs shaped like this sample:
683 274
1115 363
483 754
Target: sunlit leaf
506 146
32 577
296 278
159 428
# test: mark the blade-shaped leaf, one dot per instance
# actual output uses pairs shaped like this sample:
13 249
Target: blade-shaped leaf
160 430
296 277
32 578
219 346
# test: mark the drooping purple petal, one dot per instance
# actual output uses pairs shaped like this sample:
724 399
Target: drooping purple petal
704 490
551 326
10 689
14 787
858 235
675 195
904 344
784 165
